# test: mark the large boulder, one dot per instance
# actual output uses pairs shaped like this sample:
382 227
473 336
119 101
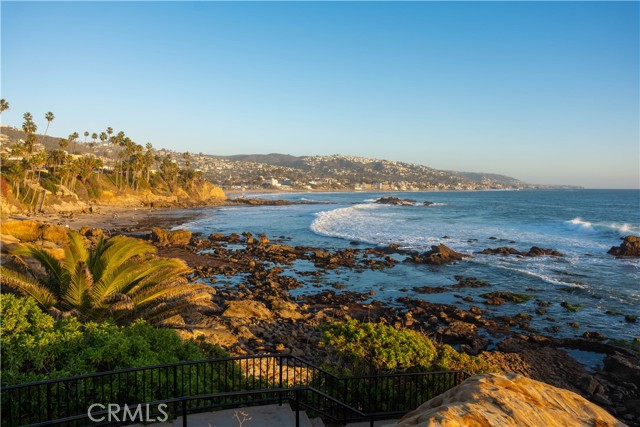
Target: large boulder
508 400
247 310
630 247
31 231
170 238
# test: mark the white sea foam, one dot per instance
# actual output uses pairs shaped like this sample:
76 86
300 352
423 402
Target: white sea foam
580 224
583 225
544 277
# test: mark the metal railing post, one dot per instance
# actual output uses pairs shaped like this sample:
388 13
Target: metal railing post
11 410
344 400
184 413
280 383
297 408
175 388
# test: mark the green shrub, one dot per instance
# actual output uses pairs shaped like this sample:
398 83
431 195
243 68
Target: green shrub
36 347
370 347
450 360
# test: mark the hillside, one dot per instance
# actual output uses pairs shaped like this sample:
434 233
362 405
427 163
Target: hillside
287 172
40 177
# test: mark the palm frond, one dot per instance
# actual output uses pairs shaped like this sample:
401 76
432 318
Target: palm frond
59 276
27 286
77 294
76 252
120 249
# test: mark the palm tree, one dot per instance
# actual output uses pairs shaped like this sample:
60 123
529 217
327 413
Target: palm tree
86 135
29 127
49 116
4 105
119 278
94 136
73 138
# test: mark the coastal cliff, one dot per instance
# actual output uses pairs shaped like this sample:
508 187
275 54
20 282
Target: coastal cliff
100 191
507 400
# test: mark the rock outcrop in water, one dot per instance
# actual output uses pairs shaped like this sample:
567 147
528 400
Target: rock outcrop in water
630 246
438 255
533 252
508 400
396 201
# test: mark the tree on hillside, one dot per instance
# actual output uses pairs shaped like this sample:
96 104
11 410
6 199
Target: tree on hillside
94 136
29 127
86 135
49 116
149 160
4 105
72 139
119 278
169 171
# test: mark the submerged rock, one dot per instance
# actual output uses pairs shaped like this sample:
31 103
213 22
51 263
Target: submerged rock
630 246
510 399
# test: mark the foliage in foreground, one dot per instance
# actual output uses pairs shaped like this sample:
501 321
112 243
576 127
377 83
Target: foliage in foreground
36 347
367 348
118 279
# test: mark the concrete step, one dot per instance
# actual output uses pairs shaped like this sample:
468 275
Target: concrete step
317 422
254 416
379 423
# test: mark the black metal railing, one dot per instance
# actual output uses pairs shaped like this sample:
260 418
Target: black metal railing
199 386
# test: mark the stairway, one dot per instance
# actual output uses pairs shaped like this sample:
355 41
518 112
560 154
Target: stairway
256 416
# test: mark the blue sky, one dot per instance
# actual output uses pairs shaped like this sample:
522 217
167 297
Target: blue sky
543 91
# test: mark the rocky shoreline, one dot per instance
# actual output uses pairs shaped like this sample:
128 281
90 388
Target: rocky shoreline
260 314
257 312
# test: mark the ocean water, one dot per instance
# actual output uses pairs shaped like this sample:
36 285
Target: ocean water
582 224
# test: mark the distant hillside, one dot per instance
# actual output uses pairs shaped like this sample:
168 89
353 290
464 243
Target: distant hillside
352 170
336 172
276 159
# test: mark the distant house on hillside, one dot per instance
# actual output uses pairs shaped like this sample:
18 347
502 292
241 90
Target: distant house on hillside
271 182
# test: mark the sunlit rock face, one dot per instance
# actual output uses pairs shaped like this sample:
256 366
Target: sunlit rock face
499 400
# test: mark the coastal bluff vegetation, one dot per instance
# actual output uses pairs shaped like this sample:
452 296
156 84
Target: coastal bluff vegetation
41 174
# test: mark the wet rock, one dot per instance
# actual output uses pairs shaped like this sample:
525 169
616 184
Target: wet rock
623 367
533 252
506 296
395 201
593 335
570 307
469 282
430 289
438 255
588 384
630 247
504 251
